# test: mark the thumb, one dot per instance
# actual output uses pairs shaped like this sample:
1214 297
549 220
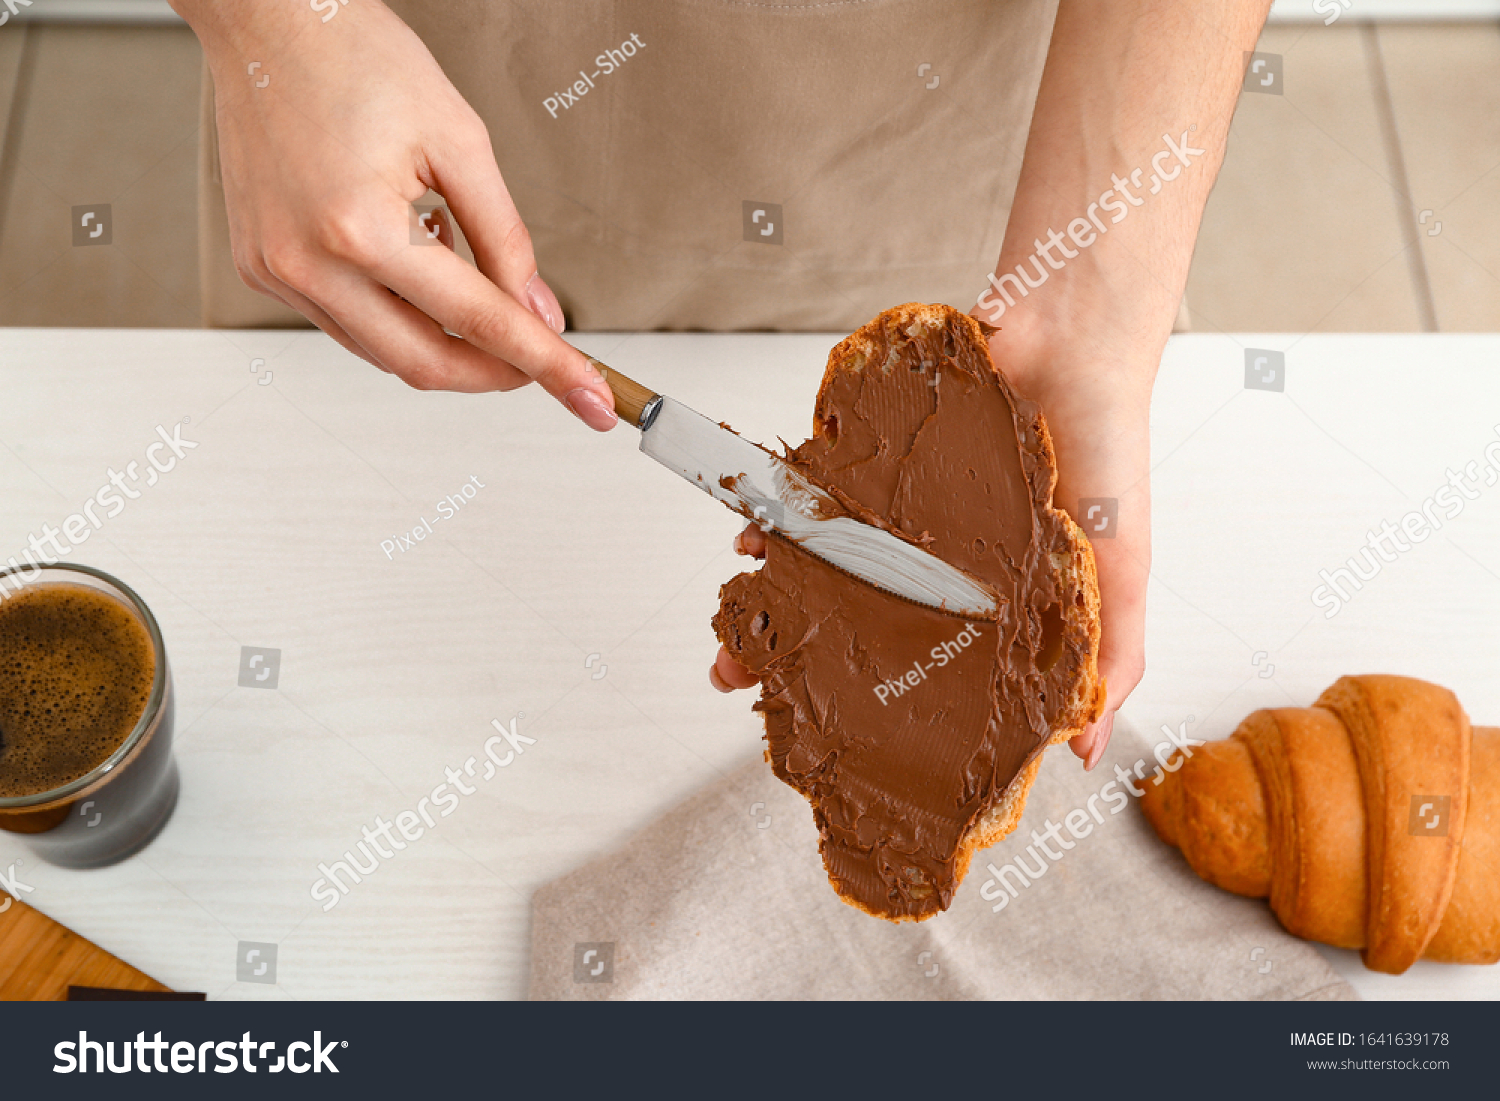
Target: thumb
1123 566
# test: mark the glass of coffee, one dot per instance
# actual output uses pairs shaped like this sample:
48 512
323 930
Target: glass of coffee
86 766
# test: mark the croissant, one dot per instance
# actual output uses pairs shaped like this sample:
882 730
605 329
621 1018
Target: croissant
1371 820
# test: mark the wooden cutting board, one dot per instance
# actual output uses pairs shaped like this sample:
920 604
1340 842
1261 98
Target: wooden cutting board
40 959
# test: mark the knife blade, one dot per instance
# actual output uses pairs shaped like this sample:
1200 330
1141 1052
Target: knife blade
762 487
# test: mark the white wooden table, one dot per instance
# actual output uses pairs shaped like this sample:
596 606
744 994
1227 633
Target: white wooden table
572 592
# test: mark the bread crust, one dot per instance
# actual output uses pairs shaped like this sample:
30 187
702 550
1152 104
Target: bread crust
1072 561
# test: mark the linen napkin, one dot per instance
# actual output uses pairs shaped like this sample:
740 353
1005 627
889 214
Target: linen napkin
725 897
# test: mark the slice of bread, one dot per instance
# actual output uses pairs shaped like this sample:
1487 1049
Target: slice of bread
916 429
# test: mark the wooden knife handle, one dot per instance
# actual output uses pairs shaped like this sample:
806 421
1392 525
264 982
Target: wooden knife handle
633 402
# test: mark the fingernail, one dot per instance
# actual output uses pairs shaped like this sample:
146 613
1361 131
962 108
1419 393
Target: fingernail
718 681
544 303
589 407
1101 739
1085 738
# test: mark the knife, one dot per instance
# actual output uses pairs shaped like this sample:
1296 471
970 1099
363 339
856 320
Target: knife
764 488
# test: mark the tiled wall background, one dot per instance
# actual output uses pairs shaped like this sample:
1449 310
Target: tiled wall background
1365 198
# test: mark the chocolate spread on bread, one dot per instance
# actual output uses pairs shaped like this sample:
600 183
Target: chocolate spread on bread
906 727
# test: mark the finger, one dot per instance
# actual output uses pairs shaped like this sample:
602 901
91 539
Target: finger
460 298
1122 649
1120 680
1102 730
501 242
751 541
541 301
730 673
413 346
1123 577
468 176
316 314
267 284
536 295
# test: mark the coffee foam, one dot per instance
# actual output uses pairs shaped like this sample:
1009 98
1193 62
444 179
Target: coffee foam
76 669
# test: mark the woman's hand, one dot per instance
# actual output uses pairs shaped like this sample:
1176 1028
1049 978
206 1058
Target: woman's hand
321 164
1098 413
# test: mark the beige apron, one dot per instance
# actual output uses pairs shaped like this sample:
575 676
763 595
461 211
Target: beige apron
722 165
